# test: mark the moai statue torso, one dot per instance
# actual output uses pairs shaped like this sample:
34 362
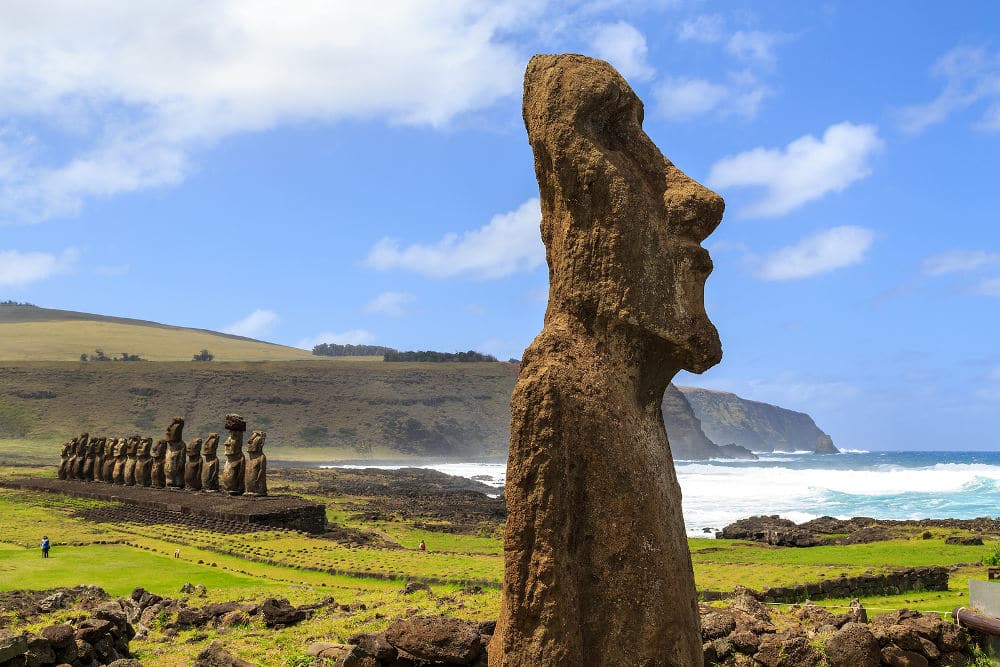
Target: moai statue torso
174 469
144 463
157 474
120 453
256 472
64 455
89 459
192 470
210 465
108 460
233 476
132 457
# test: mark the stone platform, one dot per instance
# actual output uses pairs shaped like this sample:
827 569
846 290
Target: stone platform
280 511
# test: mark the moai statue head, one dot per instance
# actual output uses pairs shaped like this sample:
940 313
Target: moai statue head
145 445
236 426
132 447
175 432
94 448
83 440
107 447
159 450
650 270
66 449
118 447
194 449
211 445
255 445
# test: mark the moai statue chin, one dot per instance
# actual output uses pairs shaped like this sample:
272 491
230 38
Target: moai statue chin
256 471
174 469
120 452
132 457
233 476
157 474
144 463
210 465
596 563
192 470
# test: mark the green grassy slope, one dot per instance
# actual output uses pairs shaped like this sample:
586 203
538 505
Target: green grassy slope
28 333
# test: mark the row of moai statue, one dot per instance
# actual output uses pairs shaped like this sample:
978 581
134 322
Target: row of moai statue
171 463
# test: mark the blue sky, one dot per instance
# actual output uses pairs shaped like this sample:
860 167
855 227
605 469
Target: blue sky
355 173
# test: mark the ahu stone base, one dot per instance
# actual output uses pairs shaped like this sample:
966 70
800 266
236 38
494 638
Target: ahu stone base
278 511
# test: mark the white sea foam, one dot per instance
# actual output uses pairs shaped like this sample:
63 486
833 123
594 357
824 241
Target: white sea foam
801 488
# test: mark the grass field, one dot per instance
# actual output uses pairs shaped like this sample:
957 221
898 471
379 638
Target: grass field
304 569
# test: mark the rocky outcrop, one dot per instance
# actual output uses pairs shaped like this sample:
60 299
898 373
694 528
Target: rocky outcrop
596 563
98 638
760 427
687 439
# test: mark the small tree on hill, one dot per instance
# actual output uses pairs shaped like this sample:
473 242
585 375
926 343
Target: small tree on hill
204 355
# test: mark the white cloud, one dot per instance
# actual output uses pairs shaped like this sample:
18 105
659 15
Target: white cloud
755 45
683 98
806 169
509 243
707 29
23 268
137 88
351 337
389 303
958 261
255 325
112 270
819 253
989 287
622 45
970 76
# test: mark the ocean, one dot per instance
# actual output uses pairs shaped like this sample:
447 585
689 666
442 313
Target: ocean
801 486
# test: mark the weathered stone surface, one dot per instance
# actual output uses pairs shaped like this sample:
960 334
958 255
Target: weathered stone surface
233 478
256 465
596 564
278 613
776 651
376 646
40 652
12 645
437 638
894 656
210 464
716 625
854 645
174 465
214 655
59 636
192 469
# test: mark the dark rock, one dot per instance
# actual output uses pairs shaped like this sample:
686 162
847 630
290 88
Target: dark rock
436 638
965 540
716 624
91 630
854 645
214 655
278 613
12 645
39 652
125 662
59 636
893 656
778 651
374 645
744 641
414 586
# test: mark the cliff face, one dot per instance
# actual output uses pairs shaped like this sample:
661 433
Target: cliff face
684 431
760 427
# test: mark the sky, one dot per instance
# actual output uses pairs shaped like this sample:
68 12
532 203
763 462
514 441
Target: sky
359 173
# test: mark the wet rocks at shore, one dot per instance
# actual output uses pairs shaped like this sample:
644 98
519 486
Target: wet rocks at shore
827 530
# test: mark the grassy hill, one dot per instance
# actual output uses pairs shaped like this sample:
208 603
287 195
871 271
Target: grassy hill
28 333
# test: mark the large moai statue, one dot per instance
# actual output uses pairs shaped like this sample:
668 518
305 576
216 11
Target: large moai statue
90 457
192 469
79 456
233 476
210 464
64 455
174 469
132 457
108 460
144 463
97 471
256 472
157 474
120 452
596 564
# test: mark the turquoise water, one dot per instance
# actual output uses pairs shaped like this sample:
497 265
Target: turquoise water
802 486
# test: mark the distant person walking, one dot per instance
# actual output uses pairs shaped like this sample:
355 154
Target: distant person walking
423 547
45 546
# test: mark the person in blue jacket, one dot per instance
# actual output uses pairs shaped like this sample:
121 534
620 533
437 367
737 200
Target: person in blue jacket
45 546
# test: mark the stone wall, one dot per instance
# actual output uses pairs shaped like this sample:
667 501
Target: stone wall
890 583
